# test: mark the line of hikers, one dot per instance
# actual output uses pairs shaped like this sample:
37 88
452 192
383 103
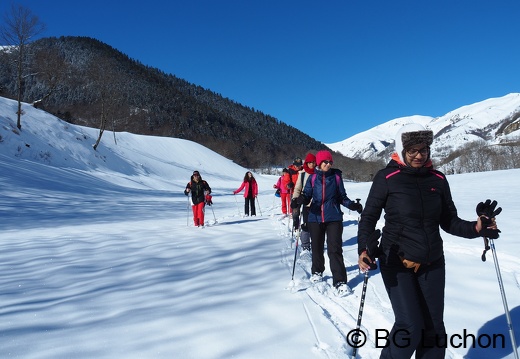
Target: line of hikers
316 193
417 203
312 191
201 195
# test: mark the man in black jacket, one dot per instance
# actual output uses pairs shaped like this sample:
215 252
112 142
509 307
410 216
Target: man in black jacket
199 190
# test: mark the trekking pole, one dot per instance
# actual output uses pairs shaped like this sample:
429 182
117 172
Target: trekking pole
238 208
259 209
490 243
213 211
295 251
355 338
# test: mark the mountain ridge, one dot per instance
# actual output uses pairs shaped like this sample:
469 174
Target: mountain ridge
495 121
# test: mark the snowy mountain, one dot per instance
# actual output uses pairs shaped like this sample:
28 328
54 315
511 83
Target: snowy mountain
495 120
100 258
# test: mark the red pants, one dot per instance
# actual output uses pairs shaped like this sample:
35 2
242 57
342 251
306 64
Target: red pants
286 202
198 214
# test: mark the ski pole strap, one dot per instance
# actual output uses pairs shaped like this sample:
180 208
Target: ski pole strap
486 248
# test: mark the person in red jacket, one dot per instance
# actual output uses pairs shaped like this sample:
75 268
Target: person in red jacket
251 191
294 171
307 171
284 185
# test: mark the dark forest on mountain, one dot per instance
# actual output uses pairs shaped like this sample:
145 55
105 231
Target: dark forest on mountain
86 82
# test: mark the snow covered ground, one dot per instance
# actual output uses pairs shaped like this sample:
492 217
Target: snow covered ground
99 258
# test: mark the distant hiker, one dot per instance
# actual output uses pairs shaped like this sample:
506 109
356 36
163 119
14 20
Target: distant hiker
251 191
417 201
326 190
308 169
199 190
284 185
294 169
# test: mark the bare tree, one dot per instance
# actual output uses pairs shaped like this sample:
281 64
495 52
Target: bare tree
107 83
19 27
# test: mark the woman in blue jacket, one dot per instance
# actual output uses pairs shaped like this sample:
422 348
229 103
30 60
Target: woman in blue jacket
327 192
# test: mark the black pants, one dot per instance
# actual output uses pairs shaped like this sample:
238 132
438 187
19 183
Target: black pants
418 304
250 202
334 233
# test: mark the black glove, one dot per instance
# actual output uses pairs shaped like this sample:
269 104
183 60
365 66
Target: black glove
487 211
489 233
294 203
290 185
186 192
302 200
355 206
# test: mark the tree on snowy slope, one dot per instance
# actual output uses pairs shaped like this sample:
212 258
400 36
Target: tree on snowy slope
104 74
18 28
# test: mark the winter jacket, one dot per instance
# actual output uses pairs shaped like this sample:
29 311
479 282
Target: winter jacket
248 186
294 173
283 182
416 202
198 190
303 177
327 192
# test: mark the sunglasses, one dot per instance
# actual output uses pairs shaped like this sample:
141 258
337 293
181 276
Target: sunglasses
412 152
327 162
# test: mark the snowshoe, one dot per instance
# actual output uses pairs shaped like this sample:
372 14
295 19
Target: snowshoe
342 289
316 277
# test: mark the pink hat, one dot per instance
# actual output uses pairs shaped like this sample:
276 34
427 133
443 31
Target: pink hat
323 155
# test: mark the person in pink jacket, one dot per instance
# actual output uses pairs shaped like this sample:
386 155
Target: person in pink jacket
284 184
250 193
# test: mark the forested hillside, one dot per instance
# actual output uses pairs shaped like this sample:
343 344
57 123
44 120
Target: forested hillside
87 82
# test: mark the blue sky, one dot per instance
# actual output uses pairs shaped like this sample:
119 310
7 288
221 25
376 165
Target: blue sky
329 68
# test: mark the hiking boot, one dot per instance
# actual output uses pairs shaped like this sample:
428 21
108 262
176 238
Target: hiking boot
342 289
316 277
